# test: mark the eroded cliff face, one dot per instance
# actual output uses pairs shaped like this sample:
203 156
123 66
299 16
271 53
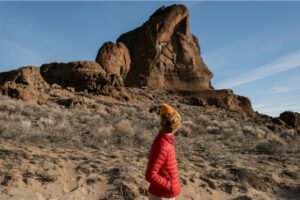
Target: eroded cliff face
164 53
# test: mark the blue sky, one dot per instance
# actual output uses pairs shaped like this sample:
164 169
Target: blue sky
251 47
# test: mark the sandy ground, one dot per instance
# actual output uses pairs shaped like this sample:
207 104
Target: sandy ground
32 172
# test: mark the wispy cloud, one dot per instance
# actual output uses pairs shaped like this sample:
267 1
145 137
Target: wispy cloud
251 47
282 64
281 89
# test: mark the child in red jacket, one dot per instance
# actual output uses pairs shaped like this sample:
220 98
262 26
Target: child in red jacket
162 172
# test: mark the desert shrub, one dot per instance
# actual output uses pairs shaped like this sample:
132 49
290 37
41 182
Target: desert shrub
270 147
34 138
105 132
8 107
202 119
214 123
4 116
92 121
45 122
143 138
185 131
26 124
11 130
131 111
191 128
264 129
253 132
260 133
122 134
213 130
124 127
102 111
251 177
249 131
285 133
228 131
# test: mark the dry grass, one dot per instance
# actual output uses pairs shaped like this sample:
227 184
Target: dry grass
96 126
110 125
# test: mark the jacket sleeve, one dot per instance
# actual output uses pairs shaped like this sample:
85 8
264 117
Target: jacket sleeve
156 160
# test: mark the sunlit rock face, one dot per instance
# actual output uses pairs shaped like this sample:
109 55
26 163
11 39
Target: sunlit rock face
82 75
24 83
165 54
114 58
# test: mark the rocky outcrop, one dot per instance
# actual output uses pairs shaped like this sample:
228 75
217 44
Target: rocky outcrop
83 75
25 83
224 99
164 53
161 54
114 58
291 118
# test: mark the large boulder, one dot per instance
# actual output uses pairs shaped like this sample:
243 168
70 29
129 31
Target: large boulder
83 75
165 54
291 118
114 58
24 83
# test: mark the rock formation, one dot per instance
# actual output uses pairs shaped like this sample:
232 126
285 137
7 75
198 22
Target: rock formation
82 75
227 100
114 58
224 99
25 83
164 53
291 118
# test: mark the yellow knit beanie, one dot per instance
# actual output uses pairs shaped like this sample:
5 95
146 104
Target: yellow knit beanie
170 118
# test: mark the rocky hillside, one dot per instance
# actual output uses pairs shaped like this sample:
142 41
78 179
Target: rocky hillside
68 129
99 150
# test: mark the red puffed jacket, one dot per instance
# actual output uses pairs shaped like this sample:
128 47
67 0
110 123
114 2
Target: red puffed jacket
162 170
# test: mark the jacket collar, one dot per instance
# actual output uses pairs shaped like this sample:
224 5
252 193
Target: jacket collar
169 137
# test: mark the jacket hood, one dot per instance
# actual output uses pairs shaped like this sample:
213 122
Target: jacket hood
169 137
